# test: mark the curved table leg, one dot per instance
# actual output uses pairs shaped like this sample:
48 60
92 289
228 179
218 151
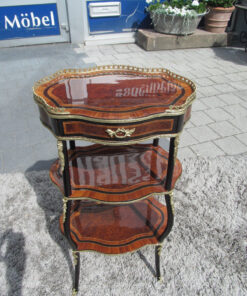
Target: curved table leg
170 213
157 261
76 257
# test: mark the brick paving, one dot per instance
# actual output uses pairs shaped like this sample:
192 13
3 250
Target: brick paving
219 118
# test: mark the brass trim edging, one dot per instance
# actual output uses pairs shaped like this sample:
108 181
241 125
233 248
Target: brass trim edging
159 248
172 202
56 112
61 155
110 143
125 253
159 245
176 143
126 120
75 257
117 202
120 143
64 208
125 133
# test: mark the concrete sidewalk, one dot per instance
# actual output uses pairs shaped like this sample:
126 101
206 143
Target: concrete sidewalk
219 119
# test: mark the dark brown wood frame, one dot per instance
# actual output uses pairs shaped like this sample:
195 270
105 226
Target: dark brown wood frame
114 128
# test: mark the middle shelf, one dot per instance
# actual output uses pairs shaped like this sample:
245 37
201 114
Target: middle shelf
119 174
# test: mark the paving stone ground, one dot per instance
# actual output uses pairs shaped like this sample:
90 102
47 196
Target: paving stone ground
219 118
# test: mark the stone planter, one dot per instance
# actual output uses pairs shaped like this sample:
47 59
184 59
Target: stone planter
217 19
175 24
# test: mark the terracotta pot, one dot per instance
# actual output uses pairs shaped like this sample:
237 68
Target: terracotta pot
217 19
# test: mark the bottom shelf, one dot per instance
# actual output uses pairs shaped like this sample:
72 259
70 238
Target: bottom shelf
116 229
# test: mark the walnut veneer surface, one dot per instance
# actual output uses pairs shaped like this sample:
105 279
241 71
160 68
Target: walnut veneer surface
109 189
116 174
116 229
88 103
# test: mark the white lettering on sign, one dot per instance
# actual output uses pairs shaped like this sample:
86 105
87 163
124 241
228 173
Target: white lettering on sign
12 24
35 20
45 21
52 18
26 20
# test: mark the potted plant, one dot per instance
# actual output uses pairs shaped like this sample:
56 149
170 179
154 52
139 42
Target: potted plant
220 12
179 17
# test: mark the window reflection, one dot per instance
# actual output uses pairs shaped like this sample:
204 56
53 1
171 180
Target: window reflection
125 169
112 87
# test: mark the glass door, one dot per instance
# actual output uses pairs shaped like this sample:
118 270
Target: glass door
26 22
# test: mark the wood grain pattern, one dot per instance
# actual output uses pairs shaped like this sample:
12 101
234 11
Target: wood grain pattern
116 174
115 229
97 131
114 94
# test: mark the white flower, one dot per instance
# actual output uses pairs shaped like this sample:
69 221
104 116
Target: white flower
149 1
195 3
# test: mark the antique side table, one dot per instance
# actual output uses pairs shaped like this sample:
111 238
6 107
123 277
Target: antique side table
110 187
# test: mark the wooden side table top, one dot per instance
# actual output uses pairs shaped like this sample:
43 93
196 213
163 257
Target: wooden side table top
114 105
114 93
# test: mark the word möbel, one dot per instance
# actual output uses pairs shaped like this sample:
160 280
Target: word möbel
29 20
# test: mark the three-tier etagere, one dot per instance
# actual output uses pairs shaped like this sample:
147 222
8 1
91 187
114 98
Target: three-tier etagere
109 187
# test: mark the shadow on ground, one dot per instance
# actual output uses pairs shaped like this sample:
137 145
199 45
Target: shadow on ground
41 165
12 254
144 259
236 55
50 201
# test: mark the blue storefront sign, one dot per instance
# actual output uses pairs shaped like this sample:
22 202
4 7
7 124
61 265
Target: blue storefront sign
132 16
27 21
